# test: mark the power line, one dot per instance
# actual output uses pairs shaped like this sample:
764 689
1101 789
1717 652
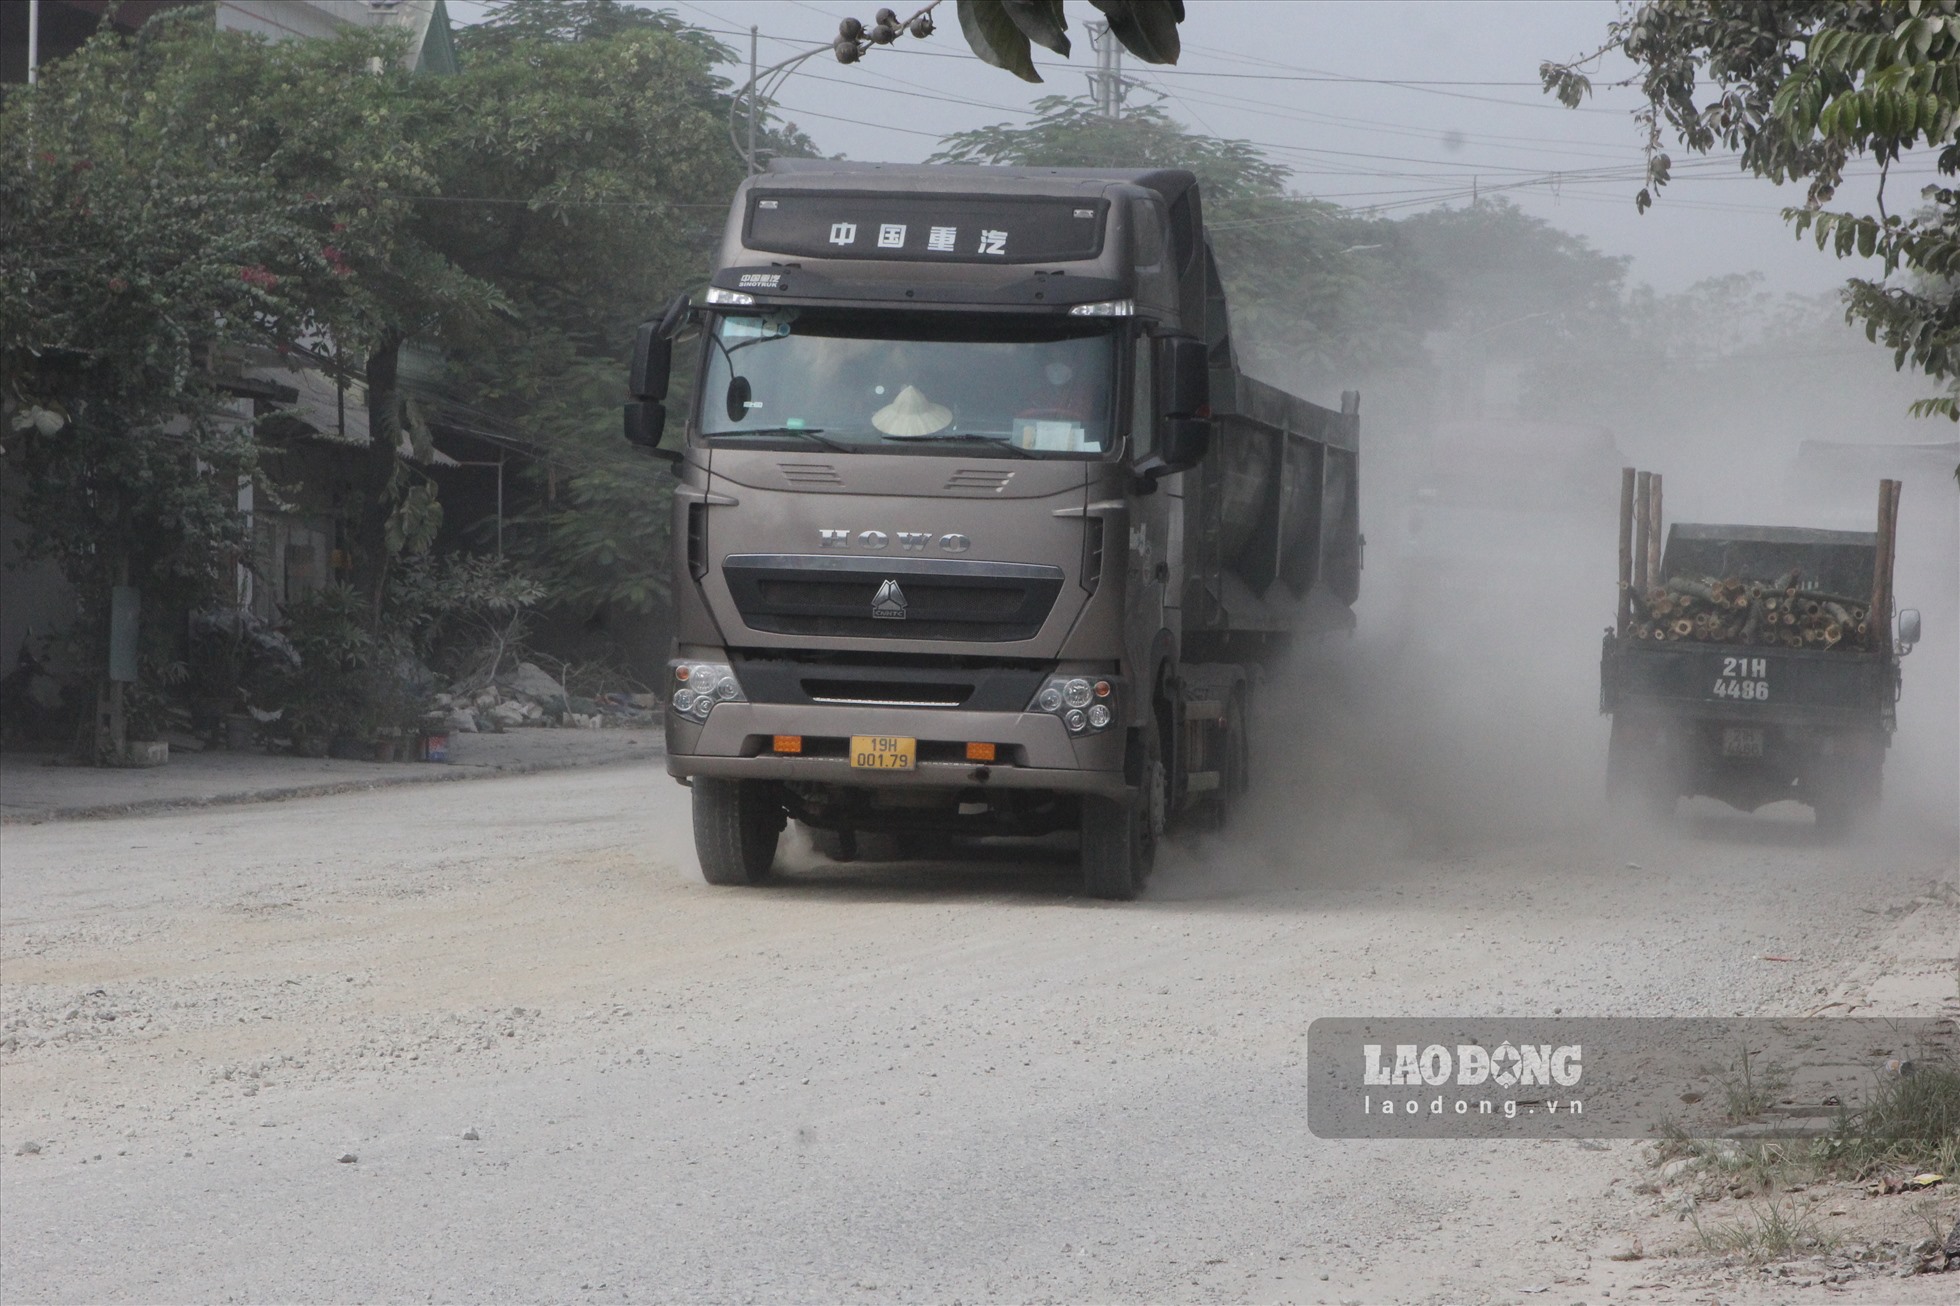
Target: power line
1429 197
1489 140
1226 100
551 203
1458 170
1221 98
1438 86
784 110
921 93
1693 170
1460 165
1301 73
1466 167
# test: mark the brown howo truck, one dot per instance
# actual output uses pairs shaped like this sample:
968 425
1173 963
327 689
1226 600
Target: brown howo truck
979 528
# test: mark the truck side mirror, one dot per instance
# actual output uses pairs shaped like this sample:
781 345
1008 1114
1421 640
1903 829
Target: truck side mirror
653 363
646 423
1182 442
1181 361
1184 397
1909 631
653 351
653 360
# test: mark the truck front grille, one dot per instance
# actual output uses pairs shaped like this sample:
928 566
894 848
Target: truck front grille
869 693
802 594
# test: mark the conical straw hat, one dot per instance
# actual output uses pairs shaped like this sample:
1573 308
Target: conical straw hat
911 414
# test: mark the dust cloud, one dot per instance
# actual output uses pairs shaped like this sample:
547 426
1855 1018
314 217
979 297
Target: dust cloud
1463 712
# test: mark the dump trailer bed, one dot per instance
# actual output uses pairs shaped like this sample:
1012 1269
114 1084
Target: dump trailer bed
1273 535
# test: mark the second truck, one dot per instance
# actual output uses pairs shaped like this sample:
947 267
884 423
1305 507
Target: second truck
1753 664
979 527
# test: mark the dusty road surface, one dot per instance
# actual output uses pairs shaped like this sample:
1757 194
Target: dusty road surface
496 1041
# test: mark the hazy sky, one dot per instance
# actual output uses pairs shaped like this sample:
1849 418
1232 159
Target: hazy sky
1314 83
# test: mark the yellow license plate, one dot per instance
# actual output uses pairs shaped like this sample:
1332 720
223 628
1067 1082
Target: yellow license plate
883 752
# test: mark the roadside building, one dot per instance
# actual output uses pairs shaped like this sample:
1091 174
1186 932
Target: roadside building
315 423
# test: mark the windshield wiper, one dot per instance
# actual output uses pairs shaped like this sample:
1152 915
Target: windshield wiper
814 434
961 437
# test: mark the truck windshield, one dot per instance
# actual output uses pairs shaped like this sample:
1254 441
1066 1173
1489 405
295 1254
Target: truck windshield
909 382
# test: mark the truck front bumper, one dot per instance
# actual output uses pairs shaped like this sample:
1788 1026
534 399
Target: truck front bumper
1033 749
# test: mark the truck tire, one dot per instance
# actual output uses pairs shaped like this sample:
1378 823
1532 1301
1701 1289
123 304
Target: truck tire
1120 835
1639 777
1844 800
1234 764
736 827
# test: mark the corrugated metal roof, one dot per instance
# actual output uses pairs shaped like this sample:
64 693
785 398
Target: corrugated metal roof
432 44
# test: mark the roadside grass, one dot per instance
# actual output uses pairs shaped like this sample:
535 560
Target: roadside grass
1751 1090
1774 1230
1763 1165
1912 1121
1911 1124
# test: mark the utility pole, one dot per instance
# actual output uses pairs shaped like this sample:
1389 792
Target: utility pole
1106 83
33 41
753 31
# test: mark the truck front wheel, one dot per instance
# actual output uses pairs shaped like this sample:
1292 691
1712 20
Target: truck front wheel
736 826
1120 835
1640 776
1845 798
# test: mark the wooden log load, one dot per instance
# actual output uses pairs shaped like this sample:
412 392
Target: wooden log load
1781 612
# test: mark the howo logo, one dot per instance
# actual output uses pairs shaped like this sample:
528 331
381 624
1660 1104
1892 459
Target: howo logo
909 541
889 602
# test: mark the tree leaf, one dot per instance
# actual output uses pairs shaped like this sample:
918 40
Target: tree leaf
996 38
1041 21
1147 28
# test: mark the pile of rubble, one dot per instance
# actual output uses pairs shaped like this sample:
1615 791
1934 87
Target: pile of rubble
532 696
1779 613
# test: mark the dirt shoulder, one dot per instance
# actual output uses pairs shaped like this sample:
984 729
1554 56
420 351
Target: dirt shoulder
1790 1221
35 787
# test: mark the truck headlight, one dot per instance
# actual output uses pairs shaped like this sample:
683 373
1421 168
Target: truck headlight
698 686
1102 308
1085 704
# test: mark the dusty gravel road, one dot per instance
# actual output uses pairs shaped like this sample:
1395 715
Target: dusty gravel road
567 1070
